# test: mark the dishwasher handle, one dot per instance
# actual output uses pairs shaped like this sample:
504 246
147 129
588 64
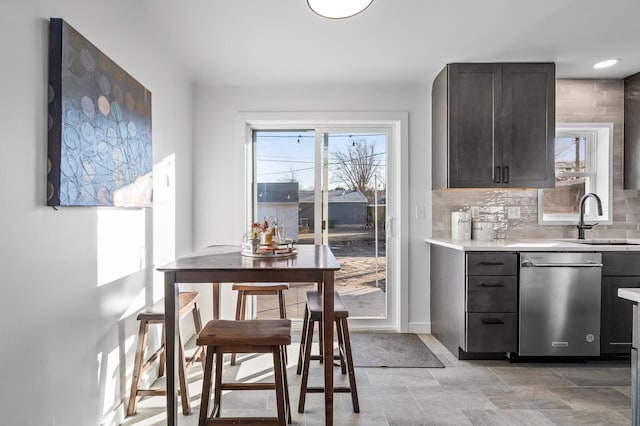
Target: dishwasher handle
530 264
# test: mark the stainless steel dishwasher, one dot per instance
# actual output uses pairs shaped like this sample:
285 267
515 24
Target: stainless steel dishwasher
559 304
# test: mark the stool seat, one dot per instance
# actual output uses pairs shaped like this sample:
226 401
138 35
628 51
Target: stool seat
314 304
155 312
257 336
257 333
187 303
261 287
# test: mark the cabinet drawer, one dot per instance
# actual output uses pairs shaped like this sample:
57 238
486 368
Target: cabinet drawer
492 293
621 264
492 332
492 263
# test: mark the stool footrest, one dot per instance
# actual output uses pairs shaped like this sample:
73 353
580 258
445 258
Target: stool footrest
248 386
154 392
243 421
321 358
340 389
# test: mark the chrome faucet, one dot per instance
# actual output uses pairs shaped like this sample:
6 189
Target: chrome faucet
581 225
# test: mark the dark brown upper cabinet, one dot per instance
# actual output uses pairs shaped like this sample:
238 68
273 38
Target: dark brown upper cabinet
494 126
632 132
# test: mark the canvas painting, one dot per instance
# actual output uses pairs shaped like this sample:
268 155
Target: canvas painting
99 130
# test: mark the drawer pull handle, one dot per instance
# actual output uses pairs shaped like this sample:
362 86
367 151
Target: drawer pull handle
492 263
492 321
491 285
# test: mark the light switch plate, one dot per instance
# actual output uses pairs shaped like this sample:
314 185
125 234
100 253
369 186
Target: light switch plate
513 212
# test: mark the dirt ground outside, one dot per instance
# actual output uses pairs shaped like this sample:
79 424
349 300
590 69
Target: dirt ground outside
354 248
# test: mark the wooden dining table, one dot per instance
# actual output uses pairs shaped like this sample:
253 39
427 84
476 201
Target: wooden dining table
225 264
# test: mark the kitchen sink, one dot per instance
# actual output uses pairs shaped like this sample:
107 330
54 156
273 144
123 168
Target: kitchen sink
603 242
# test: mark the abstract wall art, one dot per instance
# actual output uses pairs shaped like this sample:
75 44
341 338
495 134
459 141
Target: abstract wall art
99 129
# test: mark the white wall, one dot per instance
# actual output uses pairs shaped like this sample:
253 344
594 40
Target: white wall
66 341
219 162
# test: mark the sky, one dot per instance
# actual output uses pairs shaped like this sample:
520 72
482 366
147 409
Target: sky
282 156
566 151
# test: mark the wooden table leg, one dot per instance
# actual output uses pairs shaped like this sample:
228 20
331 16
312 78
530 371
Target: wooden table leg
327 325
171 349
216 300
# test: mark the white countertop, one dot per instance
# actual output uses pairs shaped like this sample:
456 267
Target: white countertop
561 244
632 294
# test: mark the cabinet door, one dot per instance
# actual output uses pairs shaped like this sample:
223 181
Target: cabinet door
616 315
528 125
632 132
492 332
475 98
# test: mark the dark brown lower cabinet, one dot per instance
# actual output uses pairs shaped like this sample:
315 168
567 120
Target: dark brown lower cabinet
492 302
474 301
616 316
620 270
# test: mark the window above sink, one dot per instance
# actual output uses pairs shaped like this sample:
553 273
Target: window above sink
583 163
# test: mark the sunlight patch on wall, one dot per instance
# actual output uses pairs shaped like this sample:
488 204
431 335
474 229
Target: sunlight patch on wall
164 219
111 383
164 211
121 247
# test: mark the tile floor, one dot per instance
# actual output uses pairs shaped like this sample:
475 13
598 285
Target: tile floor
462 393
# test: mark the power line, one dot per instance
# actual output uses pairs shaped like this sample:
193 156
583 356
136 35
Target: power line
285 161
285 172
300 136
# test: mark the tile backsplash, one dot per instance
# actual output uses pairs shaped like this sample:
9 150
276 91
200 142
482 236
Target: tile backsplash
577 101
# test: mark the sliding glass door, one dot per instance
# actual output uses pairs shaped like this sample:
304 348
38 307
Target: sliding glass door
328 186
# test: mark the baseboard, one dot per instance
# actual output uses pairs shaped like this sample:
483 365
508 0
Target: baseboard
420 327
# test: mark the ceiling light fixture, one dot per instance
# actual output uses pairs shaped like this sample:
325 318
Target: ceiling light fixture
337 9
607 63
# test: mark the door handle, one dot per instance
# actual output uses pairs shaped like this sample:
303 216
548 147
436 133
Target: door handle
497 177
492 263
491 285
505 175
492 321
562 265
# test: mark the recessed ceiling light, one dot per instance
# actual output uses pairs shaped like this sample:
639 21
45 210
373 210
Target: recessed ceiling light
607 63
337 9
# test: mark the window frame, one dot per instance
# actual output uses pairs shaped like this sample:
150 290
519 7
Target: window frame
598 171
398 178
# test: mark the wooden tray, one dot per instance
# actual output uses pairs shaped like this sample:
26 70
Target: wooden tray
270 253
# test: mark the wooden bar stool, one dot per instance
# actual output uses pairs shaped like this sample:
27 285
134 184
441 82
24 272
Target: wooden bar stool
313 314
155 315
257 336
258 289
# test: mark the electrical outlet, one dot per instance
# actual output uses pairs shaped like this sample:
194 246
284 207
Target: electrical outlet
475 212
513 212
